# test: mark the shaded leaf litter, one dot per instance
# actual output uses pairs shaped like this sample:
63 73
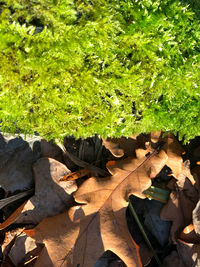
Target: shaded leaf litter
162 162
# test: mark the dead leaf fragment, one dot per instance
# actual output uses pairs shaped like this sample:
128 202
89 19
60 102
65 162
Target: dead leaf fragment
189 253
51 196
16 159
117 263
146 254
156 137
185 173
173 259
178 210
51 150
9 240
125 146
188 235
18 248
196 218
174 151
196 174
23 250
196 152
182 201
186 182
113 147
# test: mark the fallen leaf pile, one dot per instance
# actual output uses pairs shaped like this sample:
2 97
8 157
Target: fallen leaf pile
74 224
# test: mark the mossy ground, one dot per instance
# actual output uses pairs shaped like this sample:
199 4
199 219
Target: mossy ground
110 68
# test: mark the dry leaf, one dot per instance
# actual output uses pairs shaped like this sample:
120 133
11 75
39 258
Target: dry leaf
182 201
13 216
141 177
106 259
51 196
146 253
186 182
51 150
81 235
178 210
196 152
83 164
196 174
23 250
188 235
117 263
18 248
7 263
173 259
196 218
141 153
9 237
8 242
156 137
16 159
120 146
185 173
174 151
189 253
114 147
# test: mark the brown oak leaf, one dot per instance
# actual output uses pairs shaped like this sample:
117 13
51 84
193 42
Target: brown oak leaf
81 235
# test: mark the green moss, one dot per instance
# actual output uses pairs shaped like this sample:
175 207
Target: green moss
110 68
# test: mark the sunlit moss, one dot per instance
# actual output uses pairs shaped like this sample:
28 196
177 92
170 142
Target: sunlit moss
101 67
